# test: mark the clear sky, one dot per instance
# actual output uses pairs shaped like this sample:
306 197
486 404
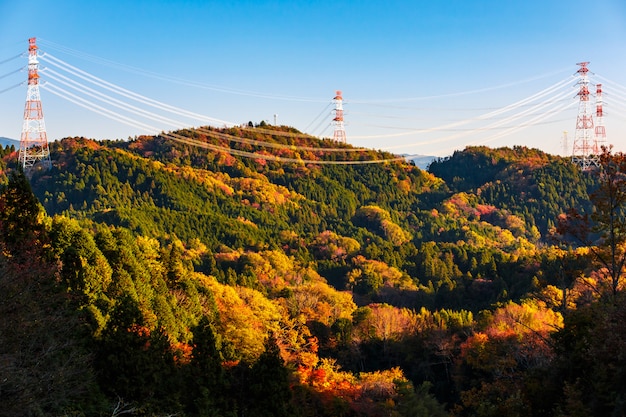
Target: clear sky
412 72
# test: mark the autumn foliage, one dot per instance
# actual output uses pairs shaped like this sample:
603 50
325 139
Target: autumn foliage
147 277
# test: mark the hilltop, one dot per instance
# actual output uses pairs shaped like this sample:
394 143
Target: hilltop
270 272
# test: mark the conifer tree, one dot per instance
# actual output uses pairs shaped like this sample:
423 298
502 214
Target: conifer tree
610 216
44 367
19 211
269 391
207 381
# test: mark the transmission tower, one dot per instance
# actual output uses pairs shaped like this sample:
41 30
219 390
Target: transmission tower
600 137
340 131
586 150
34 141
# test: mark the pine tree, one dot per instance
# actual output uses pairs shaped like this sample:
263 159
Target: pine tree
206 381
269 383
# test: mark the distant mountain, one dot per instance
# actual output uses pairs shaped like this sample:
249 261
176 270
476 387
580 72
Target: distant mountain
8 142
422 161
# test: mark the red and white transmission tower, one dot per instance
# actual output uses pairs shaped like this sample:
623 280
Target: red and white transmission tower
586 150
340 131
600 130
34 140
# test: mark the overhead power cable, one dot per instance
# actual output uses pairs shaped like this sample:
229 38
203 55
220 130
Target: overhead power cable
133 109
130 94
531 122
461 93
194 142
98 95
11 88
276 158
508 108
11 59
135 70
539 119
492 125
530 111
232 138
96 108
110 100
324 111
176 80
11 73
613 83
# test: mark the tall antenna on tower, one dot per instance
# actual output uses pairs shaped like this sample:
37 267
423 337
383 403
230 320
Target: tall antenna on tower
340 131
586 151
34 140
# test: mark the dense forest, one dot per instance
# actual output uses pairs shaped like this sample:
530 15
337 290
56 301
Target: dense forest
161 277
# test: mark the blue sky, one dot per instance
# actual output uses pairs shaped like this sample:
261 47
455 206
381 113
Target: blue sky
406 68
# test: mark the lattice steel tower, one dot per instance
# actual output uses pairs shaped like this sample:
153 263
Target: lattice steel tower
586 150
600 137
340 131
34 140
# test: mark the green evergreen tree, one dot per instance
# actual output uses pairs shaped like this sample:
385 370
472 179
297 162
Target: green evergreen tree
45 367
206 383
269 391
134 362
19 212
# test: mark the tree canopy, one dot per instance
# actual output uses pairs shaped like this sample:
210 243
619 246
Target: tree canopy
150 277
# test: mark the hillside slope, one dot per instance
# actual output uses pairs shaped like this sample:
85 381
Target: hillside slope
393 213
529 183
211 281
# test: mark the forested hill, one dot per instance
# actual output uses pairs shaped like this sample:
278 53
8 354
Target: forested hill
497 202
132 183
534 185
272 280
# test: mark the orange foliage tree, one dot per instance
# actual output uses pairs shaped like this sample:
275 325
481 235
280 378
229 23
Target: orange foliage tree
498 366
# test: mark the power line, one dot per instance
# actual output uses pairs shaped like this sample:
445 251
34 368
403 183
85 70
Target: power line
228 90
461 93
11 73
276 158
135 110
533 110
324 111
110 100
11 59
96 108
127 93
62 93
176 80
119 117
508 108
81 88
11 88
